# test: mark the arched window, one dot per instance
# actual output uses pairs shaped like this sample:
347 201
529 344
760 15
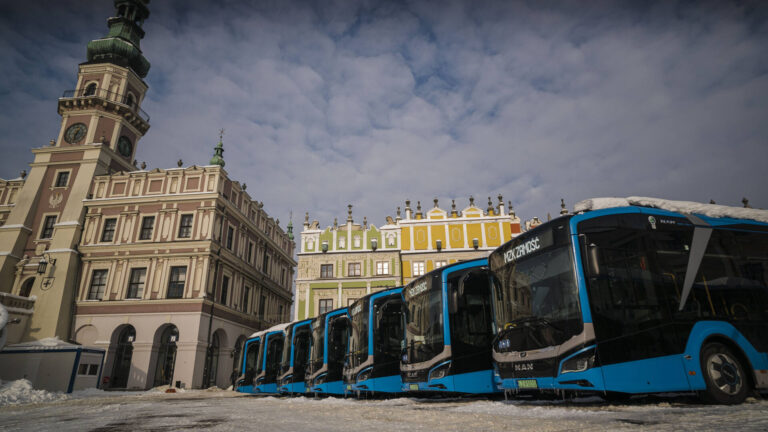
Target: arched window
90 89
129 100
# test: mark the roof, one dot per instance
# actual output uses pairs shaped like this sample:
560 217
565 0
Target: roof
686 207
47 344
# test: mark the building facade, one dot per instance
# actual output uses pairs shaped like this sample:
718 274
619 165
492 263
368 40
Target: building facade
168 270
339 264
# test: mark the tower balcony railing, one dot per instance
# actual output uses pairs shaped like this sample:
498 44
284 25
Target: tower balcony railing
126 101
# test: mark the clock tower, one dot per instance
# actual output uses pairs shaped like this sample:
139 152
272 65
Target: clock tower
101 124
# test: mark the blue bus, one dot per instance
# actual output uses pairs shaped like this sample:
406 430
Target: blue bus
268 363
249 364
373 361
298 341
448 330
633 296
329 347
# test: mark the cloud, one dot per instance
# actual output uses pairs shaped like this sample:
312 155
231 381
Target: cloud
375 102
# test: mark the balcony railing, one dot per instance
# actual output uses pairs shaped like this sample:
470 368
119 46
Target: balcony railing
106 94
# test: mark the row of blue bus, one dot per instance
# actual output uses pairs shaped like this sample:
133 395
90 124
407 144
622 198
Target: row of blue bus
614 300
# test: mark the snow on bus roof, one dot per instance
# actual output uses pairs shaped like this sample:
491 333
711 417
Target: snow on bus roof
690 207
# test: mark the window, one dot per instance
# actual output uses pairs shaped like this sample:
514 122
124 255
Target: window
82 369
230 237
350 301
93 369
147 224
280 313
353 269
62 179
262 302
382 267
326 305
185 226
246 298
136 283
108 234
418 268
326 270
224 290
265 263
282 276
98 283
250 252
439 264
176 282
90 90
48 224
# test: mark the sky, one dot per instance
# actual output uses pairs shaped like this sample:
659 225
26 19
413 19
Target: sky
369 103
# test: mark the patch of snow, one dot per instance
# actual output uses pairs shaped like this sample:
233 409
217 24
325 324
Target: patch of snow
690 207
21 392
522 410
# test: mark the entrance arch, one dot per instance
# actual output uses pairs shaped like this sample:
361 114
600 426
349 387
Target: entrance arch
166 355
121 368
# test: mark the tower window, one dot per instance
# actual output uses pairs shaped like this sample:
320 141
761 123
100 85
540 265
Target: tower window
47 231
147 224
90 89
129 100
62 179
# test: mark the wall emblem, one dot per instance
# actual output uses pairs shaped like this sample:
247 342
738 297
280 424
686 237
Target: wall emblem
55 199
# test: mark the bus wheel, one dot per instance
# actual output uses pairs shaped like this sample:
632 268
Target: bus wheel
727 382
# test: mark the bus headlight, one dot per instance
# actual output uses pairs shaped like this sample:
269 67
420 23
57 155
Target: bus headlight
440 371
321 379
364 375
580 362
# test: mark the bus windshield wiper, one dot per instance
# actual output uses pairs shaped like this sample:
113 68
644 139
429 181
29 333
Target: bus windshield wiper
527 322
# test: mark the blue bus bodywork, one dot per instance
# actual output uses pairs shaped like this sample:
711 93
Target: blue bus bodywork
329 347
447 346
643 300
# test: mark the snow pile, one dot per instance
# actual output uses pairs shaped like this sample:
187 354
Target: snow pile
690 207
522 410
21 392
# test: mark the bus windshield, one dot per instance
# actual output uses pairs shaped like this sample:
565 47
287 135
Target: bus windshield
358 340
536 299
285 362
318 339
423 321
250 356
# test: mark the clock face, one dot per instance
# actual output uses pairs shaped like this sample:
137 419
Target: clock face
124 146
75 133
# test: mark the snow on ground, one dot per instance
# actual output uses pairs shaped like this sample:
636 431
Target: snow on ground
229 411
21 392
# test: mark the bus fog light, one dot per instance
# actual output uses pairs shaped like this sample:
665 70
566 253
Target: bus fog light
580 362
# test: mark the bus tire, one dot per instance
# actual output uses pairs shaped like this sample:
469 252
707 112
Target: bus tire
725 375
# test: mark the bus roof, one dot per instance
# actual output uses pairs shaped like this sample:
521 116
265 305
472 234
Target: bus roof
685 207
279 327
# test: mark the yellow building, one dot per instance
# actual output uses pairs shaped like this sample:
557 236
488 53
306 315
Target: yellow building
339 264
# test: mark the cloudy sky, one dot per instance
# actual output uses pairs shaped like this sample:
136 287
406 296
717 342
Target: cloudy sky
371 103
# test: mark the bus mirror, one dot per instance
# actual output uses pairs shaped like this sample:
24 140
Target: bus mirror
589 256
593 260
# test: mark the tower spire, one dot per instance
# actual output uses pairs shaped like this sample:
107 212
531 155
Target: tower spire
218 151
121 46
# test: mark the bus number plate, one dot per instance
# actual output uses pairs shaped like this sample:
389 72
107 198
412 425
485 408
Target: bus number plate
349 387
413 387
527 384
